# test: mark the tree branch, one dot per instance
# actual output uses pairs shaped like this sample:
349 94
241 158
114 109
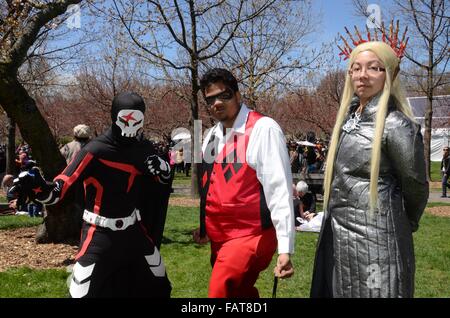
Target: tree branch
19 50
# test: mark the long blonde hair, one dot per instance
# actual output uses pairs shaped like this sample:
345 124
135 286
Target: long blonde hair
392 87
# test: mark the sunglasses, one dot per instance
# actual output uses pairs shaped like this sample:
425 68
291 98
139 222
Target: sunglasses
223 96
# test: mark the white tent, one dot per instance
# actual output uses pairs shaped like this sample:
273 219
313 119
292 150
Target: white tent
440 132
305 143
440 138
180 134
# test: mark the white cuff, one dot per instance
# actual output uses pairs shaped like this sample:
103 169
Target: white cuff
285 245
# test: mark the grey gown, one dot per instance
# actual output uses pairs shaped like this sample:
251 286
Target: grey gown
363 255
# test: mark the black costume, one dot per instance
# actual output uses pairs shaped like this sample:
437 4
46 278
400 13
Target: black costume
126 195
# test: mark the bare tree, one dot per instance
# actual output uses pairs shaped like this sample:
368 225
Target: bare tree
166 110
116 70
326 100
429 28
21 25
183 35
268 53
305 110
105 74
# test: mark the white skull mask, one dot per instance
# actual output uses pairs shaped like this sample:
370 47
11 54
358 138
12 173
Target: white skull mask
130 121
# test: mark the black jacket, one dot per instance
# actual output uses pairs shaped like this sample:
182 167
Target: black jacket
445 162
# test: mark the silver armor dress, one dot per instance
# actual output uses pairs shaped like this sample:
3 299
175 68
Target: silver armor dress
361 254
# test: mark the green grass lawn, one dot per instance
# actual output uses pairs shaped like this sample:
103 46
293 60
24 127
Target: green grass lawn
25 282
189 269
180 179
436 171
15 221
432 248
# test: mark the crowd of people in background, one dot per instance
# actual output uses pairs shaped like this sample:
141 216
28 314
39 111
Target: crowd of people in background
178 157
303 159
23 162
307 157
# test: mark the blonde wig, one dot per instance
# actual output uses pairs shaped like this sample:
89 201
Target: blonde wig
391 88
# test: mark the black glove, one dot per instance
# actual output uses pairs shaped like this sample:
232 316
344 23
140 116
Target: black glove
157 166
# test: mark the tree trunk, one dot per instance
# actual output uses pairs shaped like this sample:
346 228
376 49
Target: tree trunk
194 97
63 221
60 222
430 89
11 147
427 136
194 117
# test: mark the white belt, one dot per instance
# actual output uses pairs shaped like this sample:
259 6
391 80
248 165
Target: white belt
115 224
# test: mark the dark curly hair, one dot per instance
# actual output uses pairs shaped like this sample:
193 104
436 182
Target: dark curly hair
218 75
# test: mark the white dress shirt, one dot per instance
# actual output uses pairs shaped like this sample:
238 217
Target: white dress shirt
267 154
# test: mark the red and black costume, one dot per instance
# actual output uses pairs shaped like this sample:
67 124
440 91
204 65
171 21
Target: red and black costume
124 262
125 202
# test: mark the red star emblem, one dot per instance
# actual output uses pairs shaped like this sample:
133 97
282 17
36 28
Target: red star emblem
37 190
128 117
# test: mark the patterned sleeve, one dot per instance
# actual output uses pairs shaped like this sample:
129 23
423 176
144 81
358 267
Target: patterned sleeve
405 150
65 180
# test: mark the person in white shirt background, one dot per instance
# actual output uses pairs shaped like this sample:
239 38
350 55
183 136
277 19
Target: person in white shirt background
246 192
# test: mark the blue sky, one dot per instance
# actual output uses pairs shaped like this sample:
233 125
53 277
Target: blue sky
335 15
340 13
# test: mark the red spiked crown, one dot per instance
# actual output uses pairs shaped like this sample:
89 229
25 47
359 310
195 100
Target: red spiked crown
391 39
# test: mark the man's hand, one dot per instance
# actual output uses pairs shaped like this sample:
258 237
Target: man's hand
197 239
284 268
157 166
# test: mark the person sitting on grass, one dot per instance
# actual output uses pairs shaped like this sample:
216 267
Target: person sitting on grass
307 208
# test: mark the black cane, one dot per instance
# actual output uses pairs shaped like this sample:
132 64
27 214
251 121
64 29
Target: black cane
274 290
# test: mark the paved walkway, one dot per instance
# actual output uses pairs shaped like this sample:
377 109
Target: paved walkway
436 197
181 190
